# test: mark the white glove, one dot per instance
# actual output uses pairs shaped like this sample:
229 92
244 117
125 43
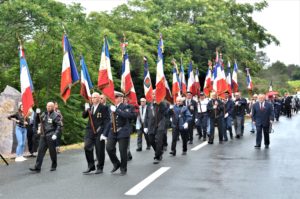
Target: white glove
236 103
113 108
53 137
226 115
102 137
86 106
171 119
171 106
185 125
38 111
196 120
146 130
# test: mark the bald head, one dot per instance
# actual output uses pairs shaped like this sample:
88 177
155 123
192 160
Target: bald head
50 106
95 98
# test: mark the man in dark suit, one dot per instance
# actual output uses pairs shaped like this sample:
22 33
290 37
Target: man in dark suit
155 124
215 110
98 115
192 106
262 116
119 131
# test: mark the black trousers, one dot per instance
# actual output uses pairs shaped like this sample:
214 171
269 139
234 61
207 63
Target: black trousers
212 129
191 130
111 150
32 140
89 144
265 130
156 141
184 137
140 133
45 143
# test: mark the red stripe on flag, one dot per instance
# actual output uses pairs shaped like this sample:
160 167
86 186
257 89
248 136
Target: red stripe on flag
103 79
83 92
160 91
27 100
65 84
109 90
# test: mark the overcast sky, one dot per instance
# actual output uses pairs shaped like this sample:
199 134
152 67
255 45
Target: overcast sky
281 19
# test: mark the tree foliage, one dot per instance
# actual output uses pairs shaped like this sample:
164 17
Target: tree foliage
192 30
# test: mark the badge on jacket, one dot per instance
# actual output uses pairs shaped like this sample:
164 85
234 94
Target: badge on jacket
50 121
99 115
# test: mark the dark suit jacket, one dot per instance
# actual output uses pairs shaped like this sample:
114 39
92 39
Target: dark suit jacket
192 108
229 106
123 115
100 120
155 119
262 117
215 113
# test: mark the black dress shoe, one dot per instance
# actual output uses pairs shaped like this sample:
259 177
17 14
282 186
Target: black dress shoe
257 146
266 146
98 171
209 142
35 170
129 158
115 168
89 170
173 153
52 169
122 173
190 142
139 149
148 147
183 153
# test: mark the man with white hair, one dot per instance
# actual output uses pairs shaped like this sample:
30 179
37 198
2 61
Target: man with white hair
50 127
181 117
99 118
140 121
263 116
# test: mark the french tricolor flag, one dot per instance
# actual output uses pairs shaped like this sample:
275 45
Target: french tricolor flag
207 88
228 78
175 84
26 83
197 83
235 86
86 83
105 80
249 80
182 80
191 80
147 82
126 81
69 73
160 76
219 84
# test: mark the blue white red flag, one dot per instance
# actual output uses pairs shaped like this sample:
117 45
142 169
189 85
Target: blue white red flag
160 90
235 86
182 80
147 82
191 80
105 80
126 81
249 80
228 78
69 73
86 83
26 83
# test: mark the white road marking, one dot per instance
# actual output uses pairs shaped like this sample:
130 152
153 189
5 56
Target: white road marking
140 186
196 148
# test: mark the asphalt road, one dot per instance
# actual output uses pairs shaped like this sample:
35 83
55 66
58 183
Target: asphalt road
230 170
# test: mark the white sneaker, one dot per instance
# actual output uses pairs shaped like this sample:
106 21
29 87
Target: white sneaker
23 158
19 159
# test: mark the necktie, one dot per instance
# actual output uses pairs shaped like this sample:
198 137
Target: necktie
142 110
92 109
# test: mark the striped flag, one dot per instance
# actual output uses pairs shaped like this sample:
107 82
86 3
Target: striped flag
69 73
182 79
191 80
197 83
175 84
169 96
249 80
207 88
86 83
271 86
26 83
147 82
235 86
126 81
160 76
105 80
219 84
228 79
